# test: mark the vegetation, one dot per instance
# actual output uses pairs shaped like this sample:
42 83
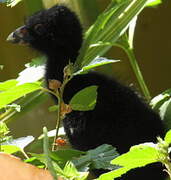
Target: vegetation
114 27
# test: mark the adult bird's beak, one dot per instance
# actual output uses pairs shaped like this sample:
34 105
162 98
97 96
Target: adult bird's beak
19 36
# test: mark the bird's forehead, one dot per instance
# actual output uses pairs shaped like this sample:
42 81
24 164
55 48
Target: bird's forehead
37 18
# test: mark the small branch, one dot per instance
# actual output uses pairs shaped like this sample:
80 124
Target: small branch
57 124
59 95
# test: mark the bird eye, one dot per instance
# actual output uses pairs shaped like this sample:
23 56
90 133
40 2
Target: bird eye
39 29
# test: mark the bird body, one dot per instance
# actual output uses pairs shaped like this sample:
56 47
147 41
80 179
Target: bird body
120 117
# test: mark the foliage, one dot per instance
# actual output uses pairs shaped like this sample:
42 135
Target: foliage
78 162
11 3
141 155
162 104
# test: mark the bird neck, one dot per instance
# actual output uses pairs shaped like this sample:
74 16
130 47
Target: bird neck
55 65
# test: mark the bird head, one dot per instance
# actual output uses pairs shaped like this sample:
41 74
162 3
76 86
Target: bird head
54 30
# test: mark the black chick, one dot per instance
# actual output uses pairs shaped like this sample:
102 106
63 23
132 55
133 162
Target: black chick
120 117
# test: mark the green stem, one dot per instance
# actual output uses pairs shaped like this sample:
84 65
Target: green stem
137 72
57 124
24 153
124 44
59 95
168 167
164 155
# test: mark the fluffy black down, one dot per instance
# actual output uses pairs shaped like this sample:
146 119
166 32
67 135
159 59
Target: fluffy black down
120 117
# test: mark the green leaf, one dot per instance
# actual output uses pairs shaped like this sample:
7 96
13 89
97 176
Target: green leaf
34 161
151 3
34 71
8 84
59 160
15 145
14 106
95 30
40 157
165 112
47 154
12 3
98 158
53 108
38 61
131 32
138 156
100 61
84 100
109 26
70 172
167 137
157 101
3 129
16 92
63 156
10 149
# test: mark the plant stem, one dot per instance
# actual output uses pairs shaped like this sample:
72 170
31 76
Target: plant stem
137 72
164 155
124 44
59 95
25 154
57 124
168 167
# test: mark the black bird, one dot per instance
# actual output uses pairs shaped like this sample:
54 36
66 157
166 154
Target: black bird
120 117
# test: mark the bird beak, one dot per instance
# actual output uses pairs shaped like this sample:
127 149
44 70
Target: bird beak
18 36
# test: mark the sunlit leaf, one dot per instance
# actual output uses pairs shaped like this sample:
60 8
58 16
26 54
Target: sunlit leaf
34 71
12 3
15 145
16 92
132 31
20 142
109 26
3 129
138 156
10 149
151 3
100 61
168 137
165 112
8 84
71 172
14 106
157 101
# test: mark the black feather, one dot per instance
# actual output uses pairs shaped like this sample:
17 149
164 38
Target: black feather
120 117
